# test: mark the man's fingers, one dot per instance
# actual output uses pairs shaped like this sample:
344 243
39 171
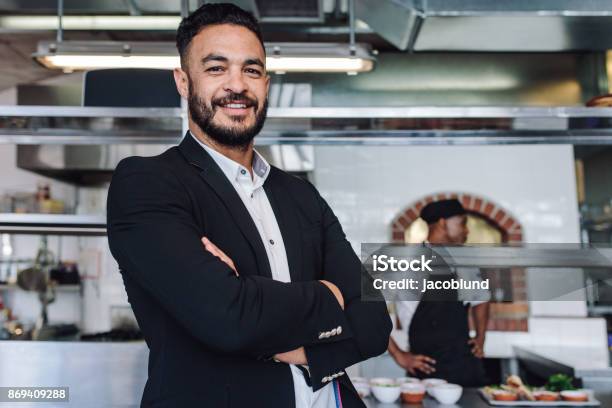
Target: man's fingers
425 358
334 289
210 247
425 363
426 368
213 249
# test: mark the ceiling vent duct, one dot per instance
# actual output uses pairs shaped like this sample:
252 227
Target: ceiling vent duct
489 26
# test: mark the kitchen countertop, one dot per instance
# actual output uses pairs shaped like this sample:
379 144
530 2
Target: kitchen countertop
469 399
120 374
580 359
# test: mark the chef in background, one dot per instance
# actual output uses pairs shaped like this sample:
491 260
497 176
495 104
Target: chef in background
439 342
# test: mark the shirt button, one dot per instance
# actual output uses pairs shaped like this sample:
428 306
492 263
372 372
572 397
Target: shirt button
242 171
271 242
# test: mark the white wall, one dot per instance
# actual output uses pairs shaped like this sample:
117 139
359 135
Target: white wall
368 186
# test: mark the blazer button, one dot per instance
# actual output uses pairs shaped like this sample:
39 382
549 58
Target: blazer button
325 379
321 336
328 334
334 331
339 330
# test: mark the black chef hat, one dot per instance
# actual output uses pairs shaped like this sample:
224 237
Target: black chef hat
436 210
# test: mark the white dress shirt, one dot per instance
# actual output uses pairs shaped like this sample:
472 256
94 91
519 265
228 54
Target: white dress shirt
256 201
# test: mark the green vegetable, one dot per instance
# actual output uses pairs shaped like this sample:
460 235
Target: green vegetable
560 382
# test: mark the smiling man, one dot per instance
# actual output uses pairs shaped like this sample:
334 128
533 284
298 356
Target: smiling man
240 276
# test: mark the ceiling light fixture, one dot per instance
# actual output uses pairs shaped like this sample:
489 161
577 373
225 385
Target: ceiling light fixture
89 23
281 57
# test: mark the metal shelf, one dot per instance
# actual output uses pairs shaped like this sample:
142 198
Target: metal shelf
53 224
57 288
377 125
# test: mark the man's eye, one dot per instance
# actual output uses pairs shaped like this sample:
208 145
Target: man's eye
215 69
253 71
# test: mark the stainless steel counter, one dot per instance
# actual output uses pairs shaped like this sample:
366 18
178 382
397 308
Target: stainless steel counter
114 374
97 374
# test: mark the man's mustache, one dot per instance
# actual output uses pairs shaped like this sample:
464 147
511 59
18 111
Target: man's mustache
234 98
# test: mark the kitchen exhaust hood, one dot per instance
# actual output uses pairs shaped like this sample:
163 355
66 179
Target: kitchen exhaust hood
134 114
487 26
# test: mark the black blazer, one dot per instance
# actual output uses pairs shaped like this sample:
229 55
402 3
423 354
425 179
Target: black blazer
211 334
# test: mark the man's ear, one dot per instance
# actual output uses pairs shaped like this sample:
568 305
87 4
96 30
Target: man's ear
182 82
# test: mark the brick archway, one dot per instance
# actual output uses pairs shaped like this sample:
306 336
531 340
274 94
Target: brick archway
503 316
511 229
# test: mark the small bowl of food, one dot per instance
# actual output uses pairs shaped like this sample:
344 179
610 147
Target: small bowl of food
363 389
575 395
429 383
447 394
504 395
385 390
404 380
412 392
545 395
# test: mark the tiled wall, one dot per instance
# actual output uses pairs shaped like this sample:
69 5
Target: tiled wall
368 187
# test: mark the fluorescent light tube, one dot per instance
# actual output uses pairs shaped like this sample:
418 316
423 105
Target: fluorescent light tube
282 57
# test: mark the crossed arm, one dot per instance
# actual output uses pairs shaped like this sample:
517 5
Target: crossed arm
153 236
298 355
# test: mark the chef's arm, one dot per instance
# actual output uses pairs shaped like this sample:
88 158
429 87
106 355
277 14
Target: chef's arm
480 317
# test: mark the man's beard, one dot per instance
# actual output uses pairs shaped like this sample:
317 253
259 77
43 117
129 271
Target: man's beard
237 137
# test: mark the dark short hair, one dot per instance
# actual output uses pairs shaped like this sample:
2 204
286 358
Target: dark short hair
436 210
213 14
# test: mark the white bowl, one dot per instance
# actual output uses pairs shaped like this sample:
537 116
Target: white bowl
362 389
386 390
446 393
382 381
404 380
412 393
432 382
575 395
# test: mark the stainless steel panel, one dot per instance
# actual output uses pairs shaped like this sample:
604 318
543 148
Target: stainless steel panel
53 224
97 374
312 125
484 25
396 21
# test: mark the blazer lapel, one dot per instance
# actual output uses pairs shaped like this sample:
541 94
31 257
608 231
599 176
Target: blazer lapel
287 222
214 177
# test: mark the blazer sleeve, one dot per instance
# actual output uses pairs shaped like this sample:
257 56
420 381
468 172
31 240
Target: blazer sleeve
154 238
369 321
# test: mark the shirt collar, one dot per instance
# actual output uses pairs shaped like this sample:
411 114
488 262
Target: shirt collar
232 169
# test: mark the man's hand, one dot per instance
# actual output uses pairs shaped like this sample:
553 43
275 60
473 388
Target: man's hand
334 289
297 356
415 362
477 344
212 248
